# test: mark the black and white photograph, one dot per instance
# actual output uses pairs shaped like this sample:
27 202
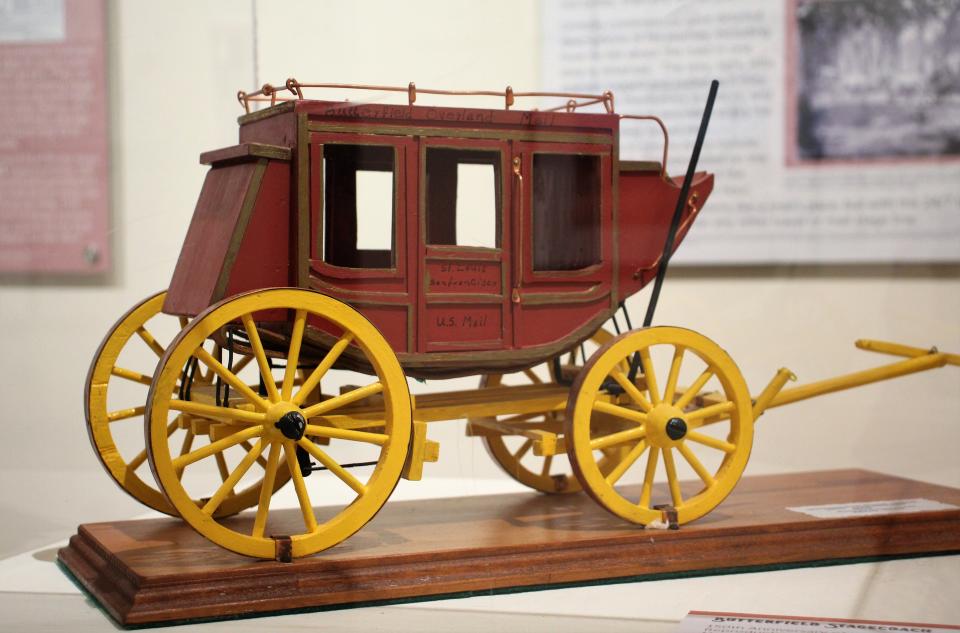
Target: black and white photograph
877 79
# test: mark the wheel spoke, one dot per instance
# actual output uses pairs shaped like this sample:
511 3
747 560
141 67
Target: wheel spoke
125 414
712 442
342 400
260 460
694 389
320 370
621 412
523 450
293 355
141 457
222 467
151 342
547 463
205 376
624 465
347 434
266 489
188 443
631 390
695 463
129 374
670 390
185 447
699 416
231 378
333 466
230 482
649 376
672 479
216 447
613 439
238 366
137 461
532 375
306 508
210 411
254 337
648 476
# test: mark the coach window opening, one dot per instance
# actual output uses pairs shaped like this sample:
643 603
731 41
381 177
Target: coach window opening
359 184
566 211
463 197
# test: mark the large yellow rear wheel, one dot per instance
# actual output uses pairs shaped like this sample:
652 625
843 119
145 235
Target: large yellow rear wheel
115 394
690 415
514 454
283 418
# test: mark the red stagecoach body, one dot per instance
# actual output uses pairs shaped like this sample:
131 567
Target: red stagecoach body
476 241
577 230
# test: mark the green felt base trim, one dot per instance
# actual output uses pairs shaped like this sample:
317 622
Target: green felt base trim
726 571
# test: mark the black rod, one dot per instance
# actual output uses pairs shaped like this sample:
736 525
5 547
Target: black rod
675 222
681 204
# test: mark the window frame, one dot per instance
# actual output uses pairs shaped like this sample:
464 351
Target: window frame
318 224
500 197
464 144
597 272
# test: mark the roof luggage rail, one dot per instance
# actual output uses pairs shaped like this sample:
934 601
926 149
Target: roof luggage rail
575 100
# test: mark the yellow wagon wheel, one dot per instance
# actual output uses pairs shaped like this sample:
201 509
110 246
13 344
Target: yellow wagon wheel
702 431
550 474
115 394
283 419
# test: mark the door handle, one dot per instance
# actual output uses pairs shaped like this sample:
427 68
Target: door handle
515 297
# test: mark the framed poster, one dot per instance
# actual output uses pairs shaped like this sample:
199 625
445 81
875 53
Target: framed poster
54 207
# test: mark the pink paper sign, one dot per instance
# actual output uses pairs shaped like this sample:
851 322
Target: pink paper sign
54 204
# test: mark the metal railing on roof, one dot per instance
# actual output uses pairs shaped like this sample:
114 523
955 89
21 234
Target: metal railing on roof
575 100
273 94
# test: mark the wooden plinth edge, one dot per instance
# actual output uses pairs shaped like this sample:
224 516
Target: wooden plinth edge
160 570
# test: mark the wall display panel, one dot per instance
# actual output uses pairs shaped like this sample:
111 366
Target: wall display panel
53 137
836 135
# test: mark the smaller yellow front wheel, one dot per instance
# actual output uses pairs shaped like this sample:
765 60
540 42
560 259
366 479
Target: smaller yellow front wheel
689 411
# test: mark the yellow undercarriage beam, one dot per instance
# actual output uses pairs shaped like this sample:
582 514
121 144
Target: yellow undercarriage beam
421 450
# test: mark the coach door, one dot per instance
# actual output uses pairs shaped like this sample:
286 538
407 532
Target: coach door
464 237
564 235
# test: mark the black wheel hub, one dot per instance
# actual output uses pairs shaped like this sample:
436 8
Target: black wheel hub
676 428
293 425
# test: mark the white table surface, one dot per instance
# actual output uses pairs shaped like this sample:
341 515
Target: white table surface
35 595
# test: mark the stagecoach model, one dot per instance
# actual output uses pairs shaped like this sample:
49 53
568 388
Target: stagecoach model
342 248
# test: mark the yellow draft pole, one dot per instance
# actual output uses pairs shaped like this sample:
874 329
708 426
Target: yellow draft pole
917 363
896 349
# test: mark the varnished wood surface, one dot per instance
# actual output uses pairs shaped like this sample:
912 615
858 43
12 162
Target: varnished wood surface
159 569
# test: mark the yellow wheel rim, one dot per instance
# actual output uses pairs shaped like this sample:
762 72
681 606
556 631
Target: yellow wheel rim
259 420
140 326
549 474
703 427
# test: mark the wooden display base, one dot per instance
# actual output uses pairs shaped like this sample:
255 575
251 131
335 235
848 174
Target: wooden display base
159 570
